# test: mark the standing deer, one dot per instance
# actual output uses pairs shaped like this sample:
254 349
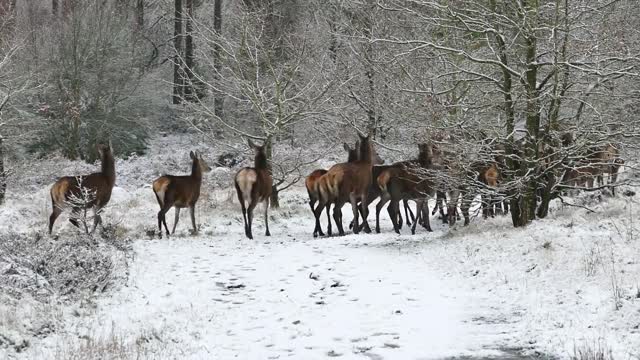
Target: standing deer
348 182
489 175
410 181
180 192
99 184
311 182
253 185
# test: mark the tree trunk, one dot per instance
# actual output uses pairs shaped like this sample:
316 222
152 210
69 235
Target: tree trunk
3 175
188 53
139 15
178 78
275 192
217 57
529 201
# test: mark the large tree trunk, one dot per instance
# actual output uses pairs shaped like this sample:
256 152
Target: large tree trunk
178 78
528 201
217 57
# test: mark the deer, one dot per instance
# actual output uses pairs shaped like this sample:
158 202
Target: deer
375 193
180 192
489 176
409 181
254 185
99 184
311 182
348 182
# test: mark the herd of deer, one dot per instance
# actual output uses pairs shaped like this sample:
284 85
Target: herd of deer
360 180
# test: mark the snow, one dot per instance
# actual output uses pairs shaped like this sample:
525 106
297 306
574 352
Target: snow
477 291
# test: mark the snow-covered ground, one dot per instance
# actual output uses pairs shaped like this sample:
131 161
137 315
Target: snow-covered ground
562 283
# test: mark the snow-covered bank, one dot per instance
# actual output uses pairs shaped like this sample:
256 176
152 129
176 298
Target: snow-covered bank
560 283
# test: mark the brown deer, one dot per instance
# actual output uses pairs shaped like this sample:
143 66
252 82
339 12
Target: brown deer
375 193
409 181
311 183
590 170
348 182
180 192
489 176
99 185
254 185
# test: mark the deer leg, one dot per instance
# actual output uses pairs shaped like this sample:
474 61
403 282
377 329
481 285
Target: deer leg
73 218
266 217
192 212
452 207
337 216
243 207
162 220
97 219
408 213
54 215
328 221
317 213
365 214
394 209
175 222
351 223
419 204
425 216
384 198
252 206
464 207
317 229
356 213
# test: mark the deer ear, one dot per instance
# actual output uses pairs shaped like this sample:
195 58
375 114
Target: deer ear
192 155
346 147
251 144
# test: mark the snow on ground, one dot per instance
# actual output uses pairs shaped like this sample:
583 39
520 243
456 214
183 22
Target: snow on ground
469 291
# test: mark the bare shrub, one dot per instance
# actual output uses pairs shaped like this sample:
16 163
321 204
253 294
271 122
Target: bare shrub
598 350
36 272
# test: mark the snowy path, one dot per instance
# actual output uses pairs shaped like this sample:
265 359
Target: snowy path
351 297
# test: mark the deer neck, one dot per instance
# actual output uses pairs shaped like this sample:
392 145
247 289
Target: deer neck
196 171
108 167
260 162
424 159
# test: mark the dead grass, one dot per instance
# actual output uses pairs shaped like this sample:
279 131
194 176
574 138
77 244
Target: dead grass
597 350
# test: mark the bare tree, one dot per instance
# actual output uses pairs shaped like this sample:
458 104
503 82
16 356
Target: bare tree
277 94
525 78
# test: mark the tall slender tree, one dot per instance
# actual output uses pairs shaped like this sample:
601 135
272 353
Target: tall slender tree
178 76
217 57
189 57
139 15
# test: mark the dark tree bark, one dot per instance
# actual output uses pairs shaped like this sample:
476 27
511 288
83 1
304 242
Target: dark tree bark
217 58
178 77
188 52
139 15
